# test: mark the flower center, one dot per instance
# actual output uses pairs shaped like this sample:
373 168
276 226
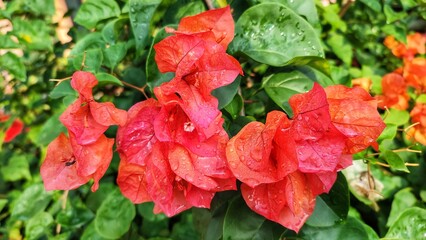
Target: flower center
188 127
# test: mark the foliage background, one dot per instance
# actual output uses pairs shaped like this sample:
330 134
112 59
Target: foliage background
117 37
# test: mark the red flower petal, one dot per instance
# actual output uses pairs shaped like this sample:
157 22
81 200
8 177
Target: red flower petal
178 53
78 120
107 114
132 182
83 83
14 130
217 21
354 113
136 138
59 169
288 202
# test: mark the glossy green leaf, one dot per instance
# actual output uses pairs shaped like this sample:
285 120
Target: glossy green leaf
141 13
341 47
114 216
154 77
114 30
273 34
373 4
105 78
235 106
146 210
394 160
317 63
402 200
333 207
92 60
33 200
34 34
397 117
38 226
281 86
41 7
75 215
399 32
352 228
388 133
331 15
90 41
181 9
226 93
63 89
240 221
14 65
16 169
90 233
114 55
391 15
411 224
50 130
93 11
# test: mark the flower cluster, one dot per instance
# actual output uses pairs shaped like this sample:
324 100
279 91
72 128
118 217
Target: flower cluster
284 164
87 153
412 74
172 149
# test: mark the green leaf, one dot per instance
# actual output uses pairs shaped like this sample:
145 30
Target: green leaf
409 225
16 169
114 30
181 9
14 65
114 54
92 61
34 34
41 7
341 47
240 221
388 133
38 226
402 200
50 130
391 15
115 207
399 32
154 77
281 86
226 93
235 106
373 4
7 43
421 98
90 41
3 203
333 207
394 160
146 210
397 117
352 228
93 11
273 34
317 63
331 15
90 233
141 13
105 78
33 200
63 89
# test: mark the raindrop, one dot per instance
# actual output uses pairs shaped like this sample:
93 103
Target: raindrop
313 47
132 9
282 34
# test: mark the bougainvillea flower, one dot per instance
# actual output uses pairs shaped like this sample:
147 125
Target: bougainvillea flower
217 23
69 165
414 73
283 160
394 92
288 202
136 138
14 130
418 115
88 119
132 183
416 43
354 113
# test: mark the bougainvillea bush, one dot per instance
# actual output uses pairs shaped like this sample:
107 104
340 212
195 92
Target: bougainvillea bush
213 120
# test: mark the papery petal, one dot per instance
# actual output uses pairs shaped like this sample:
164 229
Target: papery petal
321 182
78 120
214 69
83 83
132 182
354 113
218 21
199 197
160 183
288 202
178 53
249 152
59 169
414 73
136 138
14 130
107 114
